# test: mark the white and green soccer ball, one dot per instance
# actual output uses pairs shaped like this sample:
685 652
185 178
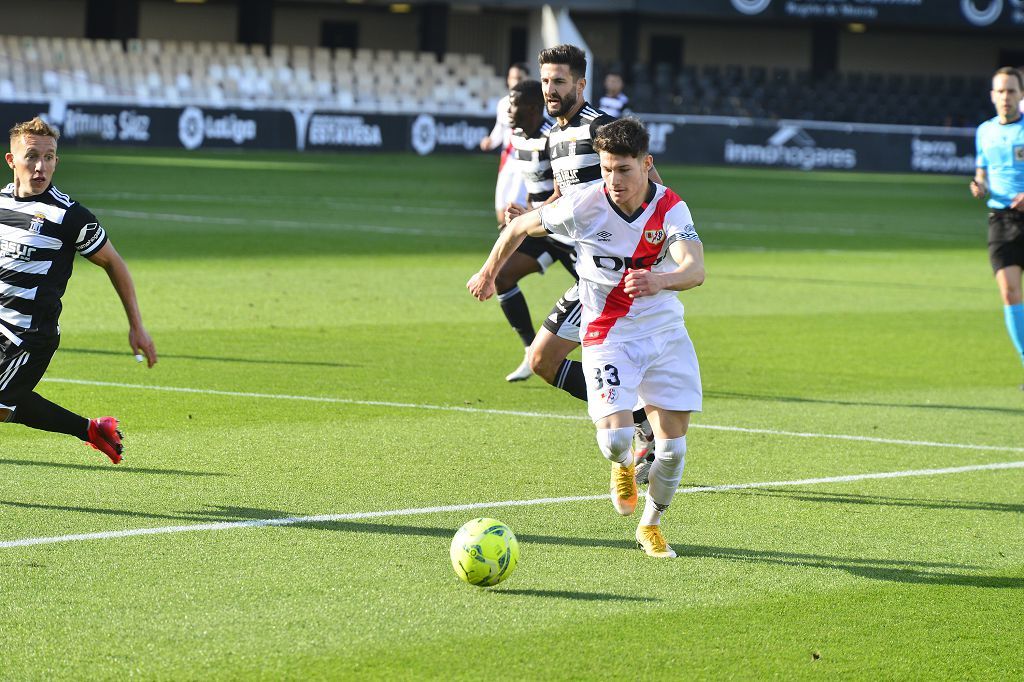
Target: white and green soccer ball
484 552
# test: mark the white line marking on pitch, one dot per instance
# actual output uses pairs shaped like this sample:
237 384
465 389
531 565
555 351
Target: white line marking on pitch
517 413
329 518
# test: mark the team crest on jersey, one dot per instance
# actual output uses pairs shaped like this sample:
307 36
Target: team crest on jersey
37 223
654 236
572 147
609 396
1018 153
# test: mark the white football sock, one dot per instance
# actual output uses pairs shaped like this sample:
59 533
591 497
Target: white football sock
663 479
614 444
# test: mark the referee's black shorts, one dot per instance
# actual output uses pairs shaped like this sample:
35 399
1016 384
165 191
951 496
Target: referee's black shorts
21 368
546 251
1005 238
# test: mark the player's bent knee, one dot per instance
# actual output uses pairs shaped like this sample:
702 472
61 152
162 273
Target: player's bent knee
544 364
614 443
671 452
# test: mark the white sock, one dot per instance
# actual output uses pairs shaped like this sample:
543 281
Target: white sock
614 444
663 479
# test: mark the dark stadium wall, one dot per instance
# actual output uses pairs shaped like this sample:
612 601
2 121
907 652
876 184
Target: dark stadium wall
378 29
64 18
182 21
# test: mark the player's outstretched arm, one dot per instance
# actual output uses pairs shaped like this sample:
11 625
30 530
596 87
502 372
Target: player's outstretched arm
481 285
117 270
690 273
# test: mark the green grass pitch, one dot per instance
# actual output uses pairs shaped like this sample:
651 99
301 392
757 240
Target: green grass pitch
314 306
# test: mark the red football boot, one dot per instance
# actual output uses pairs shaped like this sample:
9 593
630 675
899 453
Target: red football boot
104 436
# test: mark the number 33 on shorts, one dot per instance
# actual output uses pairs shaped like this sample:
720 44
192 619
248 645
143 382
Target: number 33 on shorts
604 381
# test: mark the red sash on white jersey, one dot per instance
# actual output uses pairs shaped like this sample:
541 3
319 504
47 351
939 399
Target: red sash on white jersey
618 303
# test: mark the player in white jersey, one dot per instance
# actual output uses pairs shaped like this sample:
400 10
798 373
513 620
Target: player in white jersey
509 188
637 247
575 165
42 230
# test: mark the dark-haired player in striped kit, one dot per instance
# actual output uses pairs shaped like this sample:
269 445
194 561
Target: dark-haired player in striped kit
529 156
41 230
576 165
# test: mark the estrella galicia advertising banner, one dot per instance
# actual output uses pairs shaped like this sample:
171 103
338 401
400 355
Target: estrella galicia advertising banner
1000 15
704 140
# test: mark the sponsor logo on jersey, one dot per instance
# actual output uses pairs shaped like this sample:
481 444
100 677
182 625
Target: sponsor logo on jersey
654 236
37 223
9 249
615 263
567 176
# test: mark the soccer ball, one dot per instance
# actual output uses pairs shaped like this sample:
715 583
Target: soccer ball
484 552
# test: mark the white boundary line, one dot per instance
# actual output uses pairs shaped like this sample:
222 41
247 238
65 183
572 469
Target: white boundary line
328 518
517 413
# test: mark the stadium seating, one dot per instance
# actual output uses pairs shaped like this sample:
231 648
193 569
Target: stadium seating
756 92
151 72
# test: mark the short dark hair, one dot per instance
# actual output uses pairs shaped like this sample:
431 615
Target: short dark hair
529 93
574 57
522 66
1010 71
624 137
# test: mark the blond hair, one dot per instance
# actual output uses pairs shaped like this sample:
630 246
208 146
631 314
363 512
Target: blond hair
36 126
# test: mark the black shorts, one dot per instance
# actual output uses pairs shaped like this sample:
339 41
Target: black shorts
21 368
564 320
546 251
1005 238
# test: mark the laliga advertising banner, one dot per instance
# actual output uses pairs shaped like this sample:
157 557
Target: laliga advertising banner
188 127
447 133
1002 14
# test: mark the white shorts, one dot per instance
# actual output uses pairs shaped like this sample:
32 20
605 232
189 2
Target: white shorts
510 188
660 371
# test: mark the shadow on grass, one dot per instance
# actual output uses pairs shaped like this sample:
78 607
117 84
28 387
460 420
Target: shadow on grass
214 514
892 570
883 500
447 533
100 466
856 403
214 358
578 596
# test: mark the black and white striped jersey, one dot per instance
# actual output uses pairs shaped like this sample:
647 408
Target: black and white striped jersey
614 105
573 159
39 237
530 156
